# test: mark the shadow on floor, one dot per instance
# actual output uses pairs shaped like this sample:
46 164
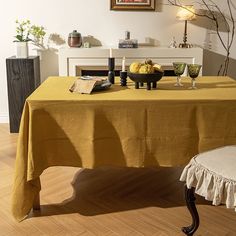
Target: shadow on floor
108 190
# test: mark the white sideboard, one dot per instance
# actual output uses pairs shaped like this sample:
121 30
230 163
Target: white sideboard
97 57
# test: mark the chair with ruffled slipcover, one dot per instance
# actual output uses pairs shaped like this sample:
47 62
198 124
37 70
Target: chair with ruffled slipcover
211 175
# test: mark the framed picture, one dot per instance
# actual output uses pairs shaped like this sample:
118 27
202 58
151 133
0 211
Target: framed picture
133 5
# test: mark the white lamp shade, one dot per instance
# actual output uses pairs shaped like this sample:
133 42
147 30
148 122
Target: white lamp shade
186 13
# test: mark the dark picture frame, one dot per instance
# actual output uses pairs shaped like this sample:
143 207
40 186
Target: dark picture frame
132 5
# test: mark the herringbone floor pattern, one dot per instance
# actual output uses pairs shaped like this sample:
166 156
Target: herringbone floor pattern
106 201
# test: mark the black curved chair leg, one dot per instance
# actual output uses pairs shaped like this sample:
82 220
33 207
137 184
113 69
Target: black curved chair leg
190 202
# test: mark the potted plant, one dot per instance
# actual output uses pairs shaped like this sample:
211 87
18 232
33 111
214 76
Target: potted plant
38 33
22 38
25 33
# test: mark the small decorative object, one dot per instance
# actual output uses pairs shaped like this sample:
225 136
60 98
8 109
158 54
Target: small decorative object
133 5
38 33
150 79
173 43
132 43
127 35
186 13
123 78
22 38
75 39
127 42
22 50
123 74
179 68
24 30
123 64
111 67
86 45
147 72
193 71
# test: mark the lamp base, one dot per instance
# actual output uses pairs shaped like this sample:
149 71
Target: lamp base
185 45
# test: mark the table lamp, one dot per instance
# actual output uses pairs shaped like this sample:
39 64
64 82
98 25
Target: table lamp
186 13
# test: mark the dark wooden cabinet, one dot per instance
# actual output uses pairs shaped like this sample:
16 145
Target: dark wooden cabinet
23 77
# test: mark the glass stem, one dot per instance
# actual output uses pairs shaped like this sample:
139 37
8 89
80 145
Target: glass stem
193 83
178 79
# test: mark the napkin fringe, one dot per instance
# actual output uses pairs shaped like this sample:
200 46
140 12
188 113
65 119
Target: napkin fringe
212 186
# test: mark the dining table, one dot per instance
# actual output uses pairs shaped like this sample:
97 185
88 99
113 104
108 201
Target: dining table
119 126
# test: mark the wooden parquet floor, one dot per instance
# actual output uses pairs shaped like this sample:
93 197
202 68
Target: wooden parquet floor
106 201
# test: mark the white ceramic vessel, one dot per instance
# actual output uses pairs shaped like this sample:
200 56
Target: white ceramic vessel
22 50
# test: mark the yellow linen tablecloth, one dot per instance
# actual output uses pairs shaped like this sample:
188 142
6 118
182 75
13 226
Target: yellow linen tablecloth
122 126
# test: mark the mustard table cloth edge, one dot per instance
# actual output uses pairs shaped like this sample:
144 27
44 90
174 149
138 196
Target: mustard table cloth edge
72 120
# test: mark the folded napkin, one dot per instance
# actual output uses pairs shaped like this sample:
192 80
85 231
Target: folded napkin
86 84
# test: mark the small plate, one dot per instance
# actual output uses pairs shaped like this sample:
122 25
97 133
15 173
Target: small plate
103 86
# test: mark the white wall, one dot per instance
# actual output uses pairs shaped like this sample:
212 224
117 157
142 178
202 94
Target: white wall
90 17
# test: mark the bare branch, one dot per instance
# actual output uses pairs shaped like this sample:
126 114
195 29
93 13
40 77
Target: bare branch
233 23
215 14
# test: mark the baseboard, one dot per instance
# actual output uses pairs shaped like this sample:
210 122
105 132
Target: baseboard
4 118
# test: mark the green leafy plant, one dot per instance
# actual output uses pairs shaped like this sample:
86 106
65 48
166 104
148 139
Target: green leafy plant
23 31
38 33
27 32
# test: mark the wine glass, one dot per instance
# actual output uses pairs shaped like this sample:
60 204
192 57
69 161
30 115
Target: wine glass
193 71
179 68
